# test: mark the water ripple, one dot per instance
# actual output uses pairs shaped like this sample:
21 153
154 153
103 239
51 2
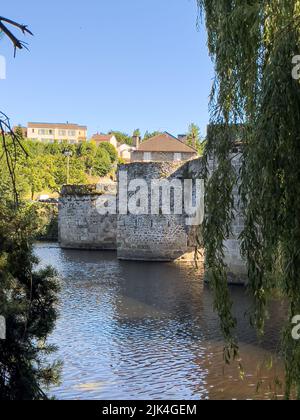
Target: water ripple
147 331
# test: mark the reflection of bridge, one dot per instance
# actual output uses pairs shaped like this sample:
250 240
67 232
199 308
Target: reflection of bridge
148 234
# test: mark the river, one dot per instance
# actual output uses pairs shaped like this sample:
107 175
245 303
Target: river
136 330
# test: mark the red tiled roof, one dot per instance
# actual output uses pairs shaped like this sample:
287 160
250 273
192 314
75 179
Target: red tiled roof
57 125
165 143
102 138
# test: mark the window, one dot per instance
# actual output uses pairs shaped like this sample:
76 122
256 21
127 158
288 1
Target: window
43 132
147 156
62 133
72 133
177 157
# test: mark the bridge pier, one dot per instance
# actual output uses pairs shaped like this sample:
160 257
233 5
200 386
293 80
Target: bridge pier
160 236
144 236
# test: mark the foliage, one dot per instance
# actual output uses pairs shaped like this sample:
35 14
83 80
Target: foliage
28 297
28 301
137 133
111 150
194 139
87 152
103 164
44 166
47 222
121 161
148 135
122 137
252 44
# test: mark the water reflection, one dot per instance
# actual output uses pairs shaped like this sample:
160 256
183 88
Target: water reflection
148 331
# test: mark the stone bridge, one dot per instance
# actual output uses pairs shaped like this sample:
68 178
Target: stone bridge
145 236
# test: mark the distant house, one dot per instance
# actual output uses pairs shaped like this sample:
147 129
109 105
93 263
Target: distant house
125 151
50 132
105 138
163 147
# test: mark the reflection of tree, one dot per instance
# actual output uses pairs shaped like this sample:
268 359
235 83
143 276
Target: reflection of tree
260 368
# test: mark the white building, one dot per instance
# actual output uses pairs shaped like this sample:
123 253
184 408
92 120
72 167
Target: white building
124 152
105 138
48 132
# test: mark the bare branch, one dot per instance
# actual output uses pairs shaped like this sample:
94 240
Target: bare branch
16 42
6 131
24 28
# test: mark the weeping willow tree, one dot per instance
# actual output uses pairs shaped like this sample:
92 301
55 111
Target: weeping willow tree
252 44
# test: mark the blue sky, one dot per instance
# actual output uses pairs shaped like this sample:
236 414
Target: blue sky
109 64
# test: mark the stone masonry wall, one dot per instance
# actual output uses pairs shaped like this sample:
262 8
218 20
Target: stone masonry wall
237 269
80 224
156 237
161 156
152 237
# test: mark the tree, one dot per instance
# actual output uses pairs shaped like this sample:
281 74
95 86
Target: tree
102 165
5 28
35 175
111 150
122 137
19 132
87 152
252 44
59 171
53 148
28 298
193 137
137 133
149 135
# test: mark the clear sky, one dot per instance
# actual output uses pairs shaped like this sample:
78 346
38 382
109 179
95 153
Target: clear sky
108 64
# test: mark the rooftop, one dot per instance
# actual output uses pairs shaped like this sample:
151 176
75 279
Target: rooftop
57 125
102 137
165 143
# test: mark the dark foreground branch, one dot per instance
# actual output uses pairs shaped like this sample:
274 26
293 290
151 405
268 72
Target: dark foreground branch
4 27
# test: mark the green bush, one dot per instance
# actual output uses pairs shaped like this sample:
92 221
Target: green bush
102 165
